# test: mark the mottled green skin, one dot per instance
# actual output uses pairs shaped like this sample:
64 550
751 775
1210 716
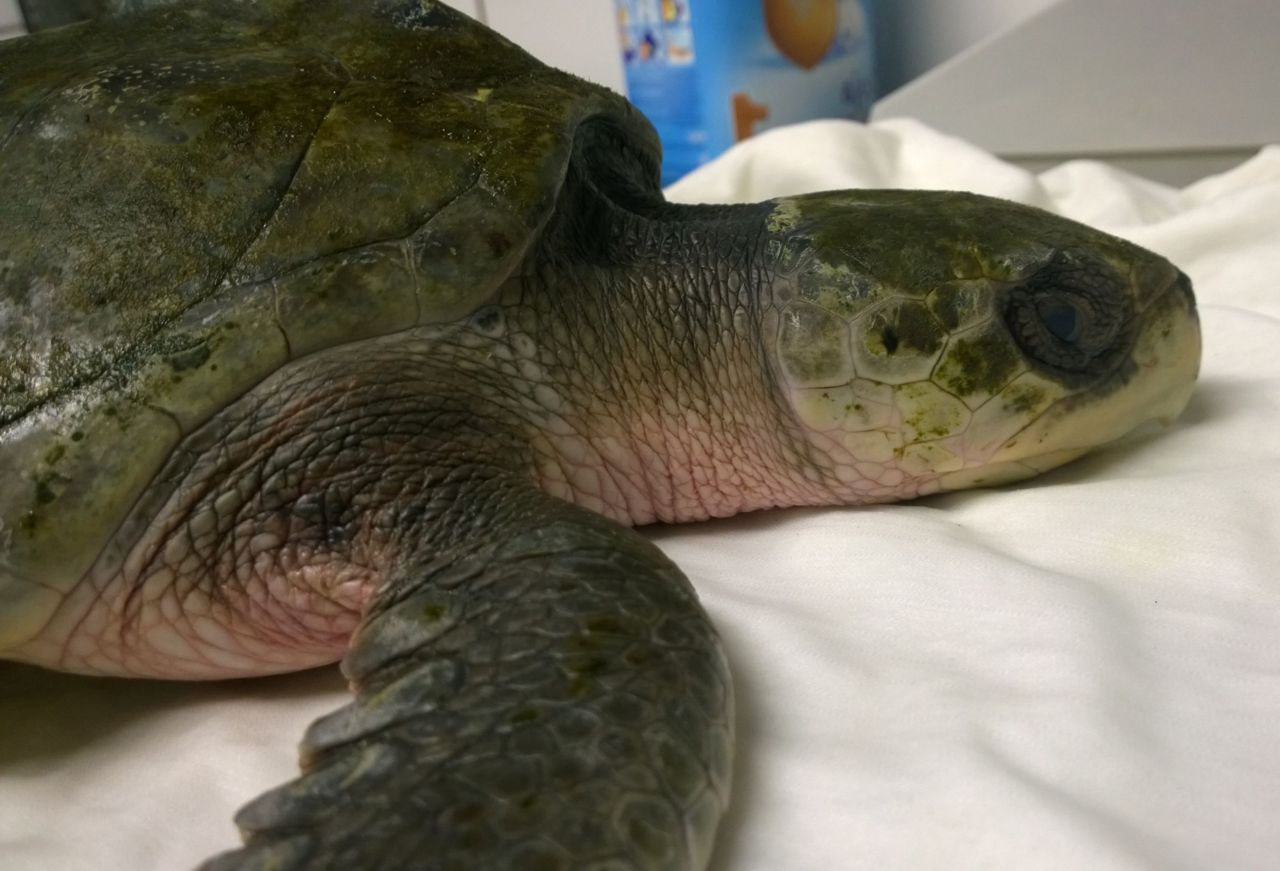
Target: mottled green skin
197 195
326 322
946 261
392 124
916 337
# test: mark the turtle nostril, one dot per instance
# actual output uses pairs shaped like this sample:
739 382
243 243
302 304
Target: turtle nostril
1061 317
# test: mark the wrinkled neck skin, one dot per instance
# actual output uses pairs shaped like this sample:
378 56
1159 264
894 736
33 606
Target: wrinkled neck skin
653 396
621 368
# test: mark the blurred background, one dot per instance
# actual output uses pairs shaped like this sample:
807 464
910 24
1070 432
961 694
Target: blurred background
1170 89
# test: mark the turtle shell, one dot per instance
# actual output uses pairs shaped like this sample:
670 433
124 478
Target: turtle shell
197 194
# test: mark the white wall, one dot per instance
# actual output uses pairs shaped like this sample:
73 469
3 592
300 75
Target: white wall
471 7
917 35
580 36
10 20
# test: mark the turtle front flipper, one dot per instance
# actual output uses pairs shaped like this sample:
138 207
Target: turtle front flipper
547 694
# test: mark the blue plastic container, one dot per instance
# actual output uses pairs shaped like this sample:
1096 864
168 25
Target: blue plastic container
710 73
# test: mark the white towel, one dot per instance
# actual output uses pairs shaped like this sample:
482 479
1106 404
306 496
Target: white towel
1078 672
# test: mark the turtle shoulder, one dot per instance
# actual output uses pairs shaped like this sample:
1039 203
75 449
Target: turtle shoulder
363 167
199 193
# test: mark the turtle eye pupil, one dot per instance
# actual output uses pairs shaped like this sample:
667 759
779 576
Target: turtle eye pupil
1061 317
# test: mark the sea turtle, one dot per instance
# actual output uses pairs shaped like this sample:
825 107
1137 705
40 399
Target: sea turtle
347 330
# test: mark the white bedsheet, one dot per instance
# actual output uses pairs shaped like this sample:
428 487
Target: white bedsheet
1081 672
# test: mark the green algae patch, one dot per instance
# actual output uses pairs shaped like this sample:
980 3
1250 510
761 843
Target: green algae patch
979 365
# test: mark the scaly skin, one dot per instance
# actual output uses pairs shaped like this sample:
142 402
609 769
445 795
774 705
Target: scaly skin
445 505
395 484
207 191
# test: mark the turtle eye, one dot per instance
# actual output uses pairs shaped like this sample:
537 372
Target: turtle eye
1062 316
1059 328
1069 318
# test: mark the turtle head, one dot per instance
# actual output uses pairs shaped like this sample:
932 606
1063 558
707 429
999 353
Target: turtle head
930 341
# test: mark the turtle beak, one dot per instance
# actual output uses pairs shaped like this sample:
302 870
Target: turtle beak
1182 295
1154 392
1181 291
1166 357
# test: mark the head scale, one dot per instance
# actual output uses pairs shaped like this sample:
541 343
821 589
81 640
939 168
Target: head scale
929 341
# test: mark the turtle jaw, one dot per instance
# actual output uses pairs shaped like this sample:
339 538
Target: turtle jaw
1152 390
